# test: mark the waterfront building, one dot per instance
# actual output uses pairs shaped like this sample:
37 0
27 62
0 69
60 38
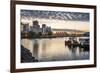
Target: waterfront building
44 29
31 28
48 29
36 27
22 27
26 27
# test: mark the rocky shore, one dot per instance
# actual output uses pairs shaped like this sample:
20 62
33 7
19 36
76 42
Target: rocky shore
26 55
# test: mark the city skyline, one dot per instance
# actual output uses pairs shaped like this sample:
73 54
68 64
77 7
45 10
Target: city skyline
57 19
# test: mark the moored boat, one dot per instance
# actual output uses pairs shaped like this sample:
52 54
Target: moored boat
84 41
81 42
72 41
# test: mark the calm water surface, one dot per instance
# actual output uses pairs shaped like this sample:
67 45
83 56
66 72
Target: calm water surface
54 49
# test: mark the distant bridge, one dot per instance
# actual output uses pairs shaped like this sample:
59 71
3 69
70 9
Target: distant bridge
68 30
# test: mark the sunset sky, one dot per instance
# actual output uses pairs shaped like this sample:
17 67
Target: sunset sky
57 19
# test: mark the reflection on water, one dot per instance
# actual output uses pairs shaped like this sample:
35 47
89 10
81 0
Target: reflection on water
54 49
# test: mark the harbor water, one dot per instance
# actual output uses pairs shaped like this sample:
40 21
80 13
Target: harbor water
54 49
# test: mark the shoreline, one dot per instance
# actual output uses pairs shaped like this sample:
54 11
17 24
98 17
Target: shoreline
42 37
26 55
